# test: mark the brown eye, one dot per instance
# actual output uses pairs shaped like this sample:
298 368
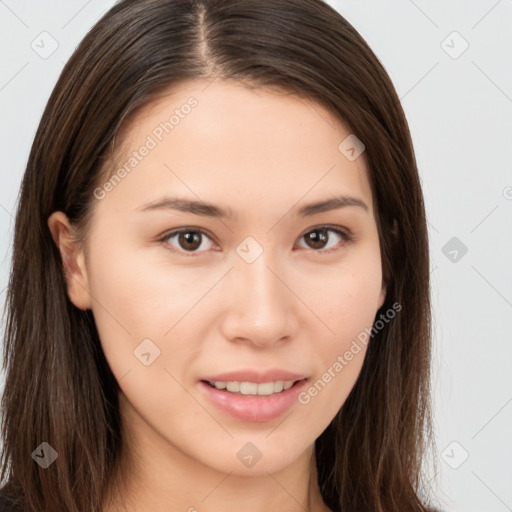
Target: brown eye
187 241
317 239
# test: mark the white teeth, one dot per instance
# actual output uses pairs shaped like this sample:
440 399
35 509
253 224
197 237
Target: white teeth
249 388
233 386
264 388
254 388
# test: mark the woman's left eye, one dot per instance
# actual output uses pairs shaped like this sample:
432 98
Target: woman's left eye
190 239
317 236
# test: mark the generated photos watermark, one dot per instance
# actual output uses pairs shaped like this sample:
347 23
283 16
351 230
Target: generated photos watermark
152 140
343 360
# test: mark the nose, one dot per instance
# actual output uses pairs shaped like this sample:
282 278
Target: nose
261 308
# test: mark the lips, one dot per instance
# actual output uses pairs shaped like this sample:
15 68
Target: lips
246 395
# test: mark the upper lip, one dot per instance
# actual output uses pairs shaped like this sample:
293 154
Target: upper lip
251 375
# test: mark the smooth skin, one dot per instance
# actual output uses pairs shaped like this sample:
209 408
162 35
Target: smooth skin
262 155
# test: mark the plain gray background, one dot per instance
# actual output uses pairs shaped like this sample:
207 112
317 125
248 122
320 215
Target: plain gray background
458 102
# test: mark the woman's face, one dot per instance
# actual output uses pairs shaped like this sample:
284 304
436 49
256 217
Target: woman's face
247 292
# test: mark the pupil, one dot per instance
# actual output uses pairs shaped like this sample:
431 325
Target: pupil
191 238
321 239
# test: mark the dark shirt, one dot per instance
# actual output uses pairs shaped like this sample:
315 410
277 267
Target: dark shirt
7 506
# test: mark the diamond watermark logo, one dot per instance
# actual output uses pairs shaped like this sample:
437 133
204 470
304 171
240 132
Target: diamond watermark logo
146 352
454 45
249 250
454 250
44 45
351 147
45 455
249 455
454 455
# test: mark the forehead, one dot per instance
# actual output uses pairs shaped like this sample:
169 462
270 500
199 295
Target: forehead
227 143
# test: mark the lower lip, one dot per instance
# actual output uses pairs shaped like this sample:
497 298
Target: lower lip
254 408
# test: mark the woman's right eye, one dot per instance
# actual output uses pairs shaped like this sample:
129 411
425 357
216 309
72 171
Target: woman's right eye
188 240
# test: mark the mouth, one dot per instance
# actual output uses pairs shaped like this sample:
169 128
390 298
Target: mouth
250 401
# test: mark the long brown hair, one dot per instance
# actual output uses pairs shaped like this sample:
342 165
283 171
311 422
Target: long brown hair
59 388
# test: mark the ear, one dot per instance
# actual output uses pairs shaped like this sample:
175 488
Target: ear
73 259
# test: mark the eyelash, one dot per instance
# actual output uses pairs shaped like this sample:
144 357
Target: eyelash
347 238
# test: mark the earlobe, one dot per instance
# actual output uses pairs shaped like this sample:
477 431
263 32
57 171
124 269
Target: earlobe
73 260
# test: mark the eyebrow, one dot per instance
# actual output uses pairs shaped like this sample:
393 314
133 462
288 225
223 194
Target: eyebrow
211 210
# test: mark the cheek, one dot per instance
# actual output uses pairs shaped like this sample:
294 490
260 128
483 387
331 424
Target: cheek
125 303
348 308
140 298
350 298
129 289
